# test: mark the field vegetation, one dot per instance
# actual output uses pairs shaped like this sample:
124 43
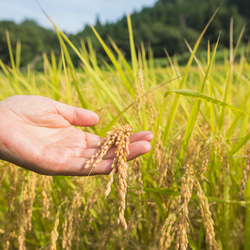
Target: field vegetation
189 191
163 25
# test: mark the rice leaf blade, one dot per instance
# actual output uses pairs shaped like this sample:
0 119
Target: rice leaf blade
182 83
195 109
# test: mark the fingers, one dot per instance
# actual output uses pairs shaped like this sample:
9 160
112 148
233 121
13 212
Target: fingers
76 166
142 136
135 149
139 144
77 116
93 140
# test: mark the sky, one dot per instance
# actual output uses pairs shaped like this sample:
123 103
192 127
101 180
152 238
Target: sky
71 16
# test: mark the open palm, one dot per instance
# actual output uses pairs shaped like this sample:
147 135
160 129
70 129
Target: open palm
37 133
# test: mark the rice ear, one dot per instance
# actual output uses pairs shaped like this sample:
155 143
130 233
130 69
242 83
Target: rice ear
120 138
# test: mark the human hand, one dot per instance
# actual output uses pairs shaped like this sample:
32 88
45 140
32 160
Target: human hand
36 133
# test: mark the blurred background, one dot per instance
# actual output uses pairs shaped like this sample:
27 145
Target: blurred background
161 24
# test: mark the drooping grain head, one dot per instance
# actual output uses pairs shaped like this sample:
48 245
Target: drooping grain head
25 208
120 138
245 173
140 91
206 217
220 151
168 231
54 234
72 222
176 223
137 173
46 182
205 151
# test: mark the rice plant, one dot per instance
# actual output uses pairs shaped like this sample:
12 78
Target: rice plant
183 194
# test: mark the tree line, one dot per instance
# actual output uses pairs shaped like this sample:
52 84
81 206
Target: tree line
165 25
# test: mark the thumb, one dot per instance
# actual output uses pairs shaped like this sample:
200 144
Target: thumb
77 116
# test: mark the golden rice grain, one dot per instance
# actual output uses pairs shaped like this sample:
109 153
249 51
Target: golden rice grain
182 206
206 218
245 172
140 91
137 171
159 158
13 206
54 234
220 151
168 231
71 222
205 150
26 208
46 195
176 223
119 137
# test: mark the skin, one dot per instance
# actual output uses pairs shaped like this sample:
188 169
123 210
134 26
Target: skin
37 133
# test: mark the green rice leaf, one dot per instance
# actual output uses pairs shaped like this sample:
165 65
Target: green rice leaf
195 109
132 46
182 83
203 97
121 56
127 85
172 192
240 144
72 70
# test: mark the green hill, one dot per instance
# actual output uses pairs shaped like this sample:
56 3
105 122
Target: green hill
165 25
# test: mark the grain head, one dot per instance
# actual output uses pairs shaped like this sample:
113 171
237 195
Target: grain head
140 91
206 217
245 173
120 138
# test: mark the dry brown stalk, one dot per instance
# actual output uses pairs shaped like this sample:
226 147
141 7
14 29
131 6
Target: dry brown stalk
245 172
206 218
119 137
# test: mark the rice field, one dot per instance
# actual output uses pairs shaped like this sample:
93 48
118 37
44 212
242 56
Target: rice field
191 191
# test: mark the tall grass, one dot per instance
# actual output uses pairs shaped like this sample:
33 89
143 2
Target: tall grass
183 193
